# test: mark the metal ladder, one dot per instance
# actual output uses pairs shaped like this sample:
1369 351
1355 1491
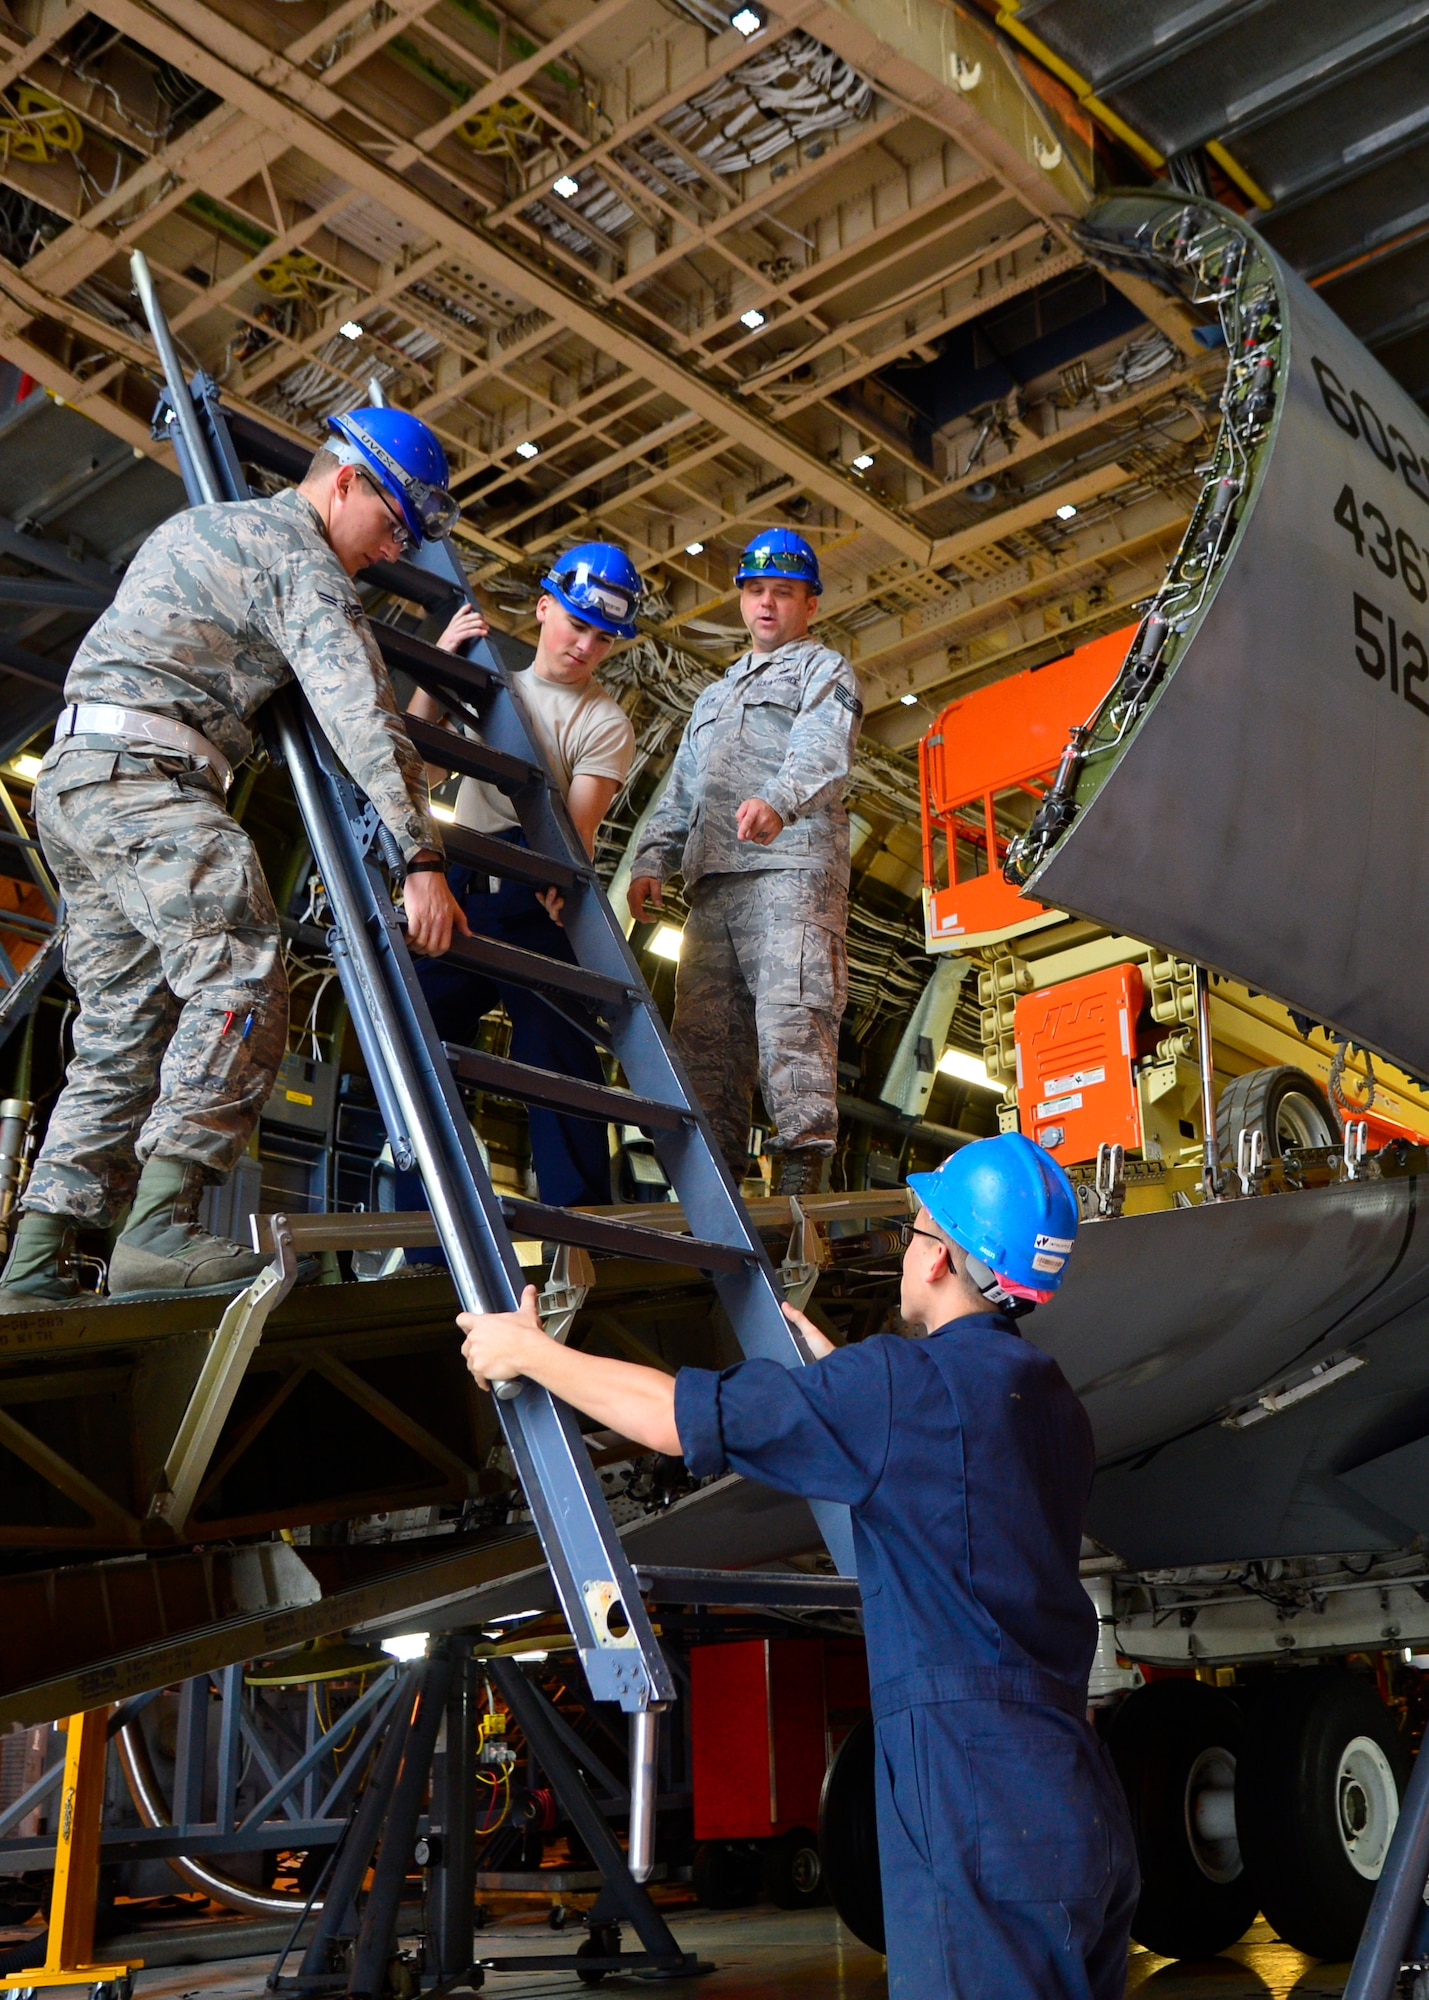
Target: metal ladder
411 1072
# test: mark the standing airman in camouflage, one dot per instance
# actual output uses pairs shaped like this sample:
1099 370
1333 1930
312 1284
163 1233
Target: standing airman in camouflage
172 941
753 817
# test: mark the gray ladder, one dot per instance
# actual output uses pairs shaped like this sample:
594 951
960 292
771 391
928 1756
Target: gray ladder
412 1073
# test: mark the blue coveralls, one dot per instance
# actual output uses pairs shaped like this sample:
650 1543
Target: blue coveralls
571 1155
1005 1845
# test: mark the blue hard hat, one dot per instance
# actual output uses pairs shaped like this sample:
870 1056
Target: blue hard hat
597 582
1010 1206
780 552
403 453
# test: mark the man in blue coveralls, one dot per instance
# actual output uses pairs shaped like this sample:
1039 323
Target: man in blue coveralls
1006 1850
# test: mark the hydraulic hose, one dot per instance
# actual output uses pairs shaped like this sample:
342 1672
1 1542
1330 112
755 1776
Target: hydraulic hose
149 1804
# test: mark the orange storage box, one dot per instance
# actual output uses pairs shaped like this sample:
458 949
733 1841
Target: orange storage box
1076 1048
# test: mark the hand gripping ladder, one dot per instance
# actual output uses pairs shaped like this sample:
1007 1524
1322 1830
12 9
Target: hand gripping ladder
411 1071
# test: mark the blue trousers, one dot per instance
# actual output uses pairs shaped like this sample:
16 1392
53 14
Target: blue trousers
571 1155
1006 1853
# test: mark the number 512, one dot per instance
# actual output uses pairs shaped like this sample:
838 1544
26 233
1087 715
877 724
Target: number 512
1384 648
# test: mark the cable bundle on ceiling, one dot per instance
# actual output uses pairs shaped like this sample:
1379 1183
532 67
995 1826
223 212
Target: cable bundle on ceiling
793 90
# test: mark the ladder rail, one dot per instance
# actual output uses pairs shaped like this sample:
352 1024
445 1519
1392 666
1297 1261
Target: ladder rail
594 1582
568 1509
748 1287
751 1295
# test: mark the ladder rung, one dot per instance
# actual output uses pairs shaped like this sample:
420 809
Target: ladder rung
413 1228
419 586
501 857
563 1093
779 1590
426 663
529 968
622 1239
473 760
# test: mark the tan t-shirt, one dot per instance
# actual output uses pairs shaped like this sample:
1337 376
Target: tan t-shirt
583 731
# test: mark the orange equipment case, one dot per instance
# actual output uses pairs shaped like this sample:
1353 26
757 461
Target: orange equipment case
1076 1047
1005 738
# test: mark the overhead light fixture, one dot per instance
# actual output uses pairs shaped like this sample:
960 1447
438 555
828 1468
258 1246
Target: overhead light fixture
442 813
351 329
862 462
526 449
753 318
405 1645
537 1657
566 185
748 20
694 548
26 767
909 700
1066 512
967 1069
666 942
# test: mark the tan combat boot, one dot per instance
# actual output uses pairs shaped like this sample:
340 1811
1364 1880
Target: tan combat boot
163 1248
40 1267
804 1170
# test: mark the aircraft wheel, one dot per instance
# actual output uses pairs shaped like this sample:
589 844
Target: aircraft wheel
1317 1797
793 1871
848 1836
1177 1746
1286 1106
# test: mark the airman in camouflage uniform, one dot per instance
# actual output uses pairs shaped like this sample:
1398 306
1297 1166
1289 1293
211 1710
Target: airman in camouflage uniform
172 940
753 817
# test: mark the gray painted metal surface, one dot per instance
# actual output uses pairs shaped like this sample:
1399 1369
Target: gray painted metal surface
1269 816
1171 1322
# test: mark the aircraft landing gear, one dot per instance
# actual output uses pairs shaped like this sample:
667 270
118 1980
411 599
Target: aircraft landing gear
1317 1797
1177 1745
848 1836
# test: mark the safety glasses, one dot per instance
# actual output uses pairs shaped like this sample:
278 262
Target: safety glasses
596 594
907 1231
401 533
781 562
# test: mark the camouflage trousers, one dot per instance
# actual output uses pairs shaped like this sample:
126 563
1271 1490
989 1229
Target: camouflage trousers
760 992
172 948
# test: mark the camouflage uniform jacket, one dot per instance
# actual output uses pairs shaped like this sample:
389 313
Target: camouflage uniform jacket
782 730
220 608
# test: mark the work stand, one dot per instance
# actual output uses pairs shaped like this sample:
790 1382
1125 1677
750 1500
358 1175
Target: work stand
433 1740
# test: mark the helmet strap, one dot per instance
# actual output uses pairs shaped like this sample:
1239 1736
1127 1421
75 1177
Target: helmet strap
985 1280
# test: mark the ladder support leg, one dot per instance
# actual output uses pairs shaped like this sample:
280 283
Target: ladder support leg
630 1900
377 1939
350 1868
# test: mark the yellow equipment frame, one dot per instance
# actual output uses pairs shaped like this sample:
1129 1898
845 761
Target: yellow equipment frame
69 1956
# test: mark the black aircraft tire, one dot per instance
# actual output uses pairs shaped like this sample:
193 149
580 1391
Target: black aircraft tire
848 1836
1287 1108
1317 1792
1171 1743
794 1870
